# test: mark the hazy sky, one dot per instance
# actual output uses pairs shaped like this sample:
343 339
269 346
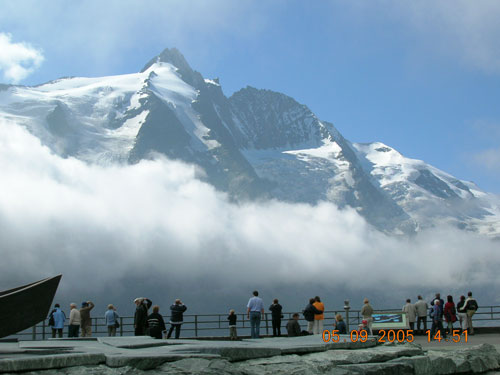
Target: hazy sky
422 77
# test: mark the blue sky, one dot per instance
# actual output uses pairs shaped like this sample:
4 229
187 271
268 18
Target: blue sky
422 77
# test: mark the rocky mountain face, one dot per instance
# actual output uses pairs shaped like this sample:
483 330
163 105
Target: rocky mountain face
256 144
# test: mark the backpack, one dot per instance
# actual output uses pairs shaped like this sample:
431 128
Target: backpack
51 319
472 305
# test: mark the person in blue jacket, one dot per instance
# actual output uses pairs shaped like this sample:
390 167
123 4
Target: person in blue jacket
56 321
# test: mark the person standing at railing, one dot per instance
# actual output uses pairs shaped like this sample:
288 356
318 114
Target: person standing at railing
470 308
309 313
276 315
255 309
74 321
232 317
176 318
141 315
462 314
156 323
367 314
411 313
111 318
85 321
318 318
422 308
56 321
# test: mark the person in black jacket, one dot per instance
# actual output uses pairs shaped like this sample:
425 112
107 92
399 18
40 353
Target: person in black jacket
156 323
293 326
276 309
176 318
141 315
232 325
309 312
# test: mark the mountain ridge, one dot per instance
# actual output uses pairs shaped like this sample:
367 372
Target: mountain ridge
256 144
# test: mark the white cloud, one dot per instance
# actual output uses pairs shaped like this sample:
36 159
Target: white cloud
154 225
464 30
488 159
17 60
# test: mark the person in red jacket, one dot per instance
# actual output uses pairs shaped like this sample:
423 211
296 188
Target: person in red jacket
450 314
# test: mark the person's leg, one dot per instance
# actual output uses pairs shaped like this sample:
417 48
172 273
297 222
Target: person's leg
412 325
419 321
370 323
310 327
278 323
274 327
60 332
170 331
257 326
53 333
252 325
177 330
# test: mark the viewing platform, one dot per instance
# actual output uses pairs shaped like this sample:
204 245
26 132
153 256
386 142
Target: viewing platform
283 355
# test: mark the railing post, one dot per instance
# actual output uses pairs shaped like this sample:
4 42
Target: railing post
347 308
121 326
196 326
33 336
95 325
43 330
267 324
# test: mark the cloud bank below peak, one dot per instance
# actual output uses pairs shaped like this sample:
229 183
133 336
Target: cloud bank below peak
156 222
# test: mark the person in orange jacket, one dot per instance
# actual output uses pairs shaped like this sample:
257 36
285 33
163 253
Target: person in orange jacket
318 318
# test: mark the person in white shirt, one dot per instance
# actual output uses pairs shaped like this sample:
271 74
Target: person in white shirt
422 309
255 309
411 313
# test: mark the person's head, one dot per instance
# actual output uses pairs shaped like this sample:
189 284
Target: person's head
84 304
231 311
255 293
449 298
419 297
275 300
156 308
138 301
72 305
408 300
295 316
57 305
338 317
317 299
462 298
366 300
364 322
469 294
178 301
438 295
110 307
311 300
437 302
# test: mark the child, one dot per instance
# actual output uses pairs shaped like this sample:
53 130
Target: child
232 325
364 327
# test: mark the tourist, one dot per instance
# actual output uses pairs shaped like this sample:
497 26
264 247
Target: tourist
367 314
470 309
232 317
340 324
56 321
176 318
318 318
437 319
411 313
111 319
74 321
450 314
293 326
156 323
85 320
364 327
142 306
309 313
421 307
441 302
255 309
462 314
276 315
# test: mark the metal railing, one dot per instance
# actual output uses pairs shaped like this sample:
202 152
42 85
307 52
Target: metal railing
216 325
